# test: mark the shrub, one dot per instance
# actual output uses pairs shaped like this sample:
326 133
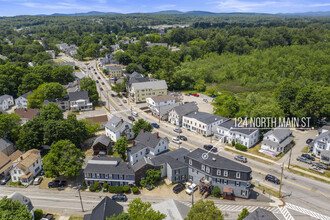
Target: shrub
111 189
92 188
96 185
233 143
216 192
97 191
135 190
105 185
126 188
240 147
38 214
119 189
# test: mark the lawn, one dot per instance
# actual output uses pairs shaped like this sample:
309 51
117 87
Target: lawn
58 60
255 150
15 184
325 174
248 156
307 175
305 150
76 217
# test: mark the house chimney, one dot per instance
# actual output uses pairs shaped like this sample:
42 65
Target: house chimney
21 157
133 142
143 130
25 110
157 135
195 113
122 121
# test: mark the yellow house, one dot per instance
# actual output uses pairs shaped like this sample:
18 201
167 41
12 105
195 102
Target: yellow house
114 71
141 90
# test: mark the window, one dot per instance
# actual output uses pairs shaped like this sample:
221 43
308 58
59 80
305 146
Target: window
203 167
141 152
136 155
208 169
219 172
225 182
237 183
225 173
238 175
243 192
190 162
191 178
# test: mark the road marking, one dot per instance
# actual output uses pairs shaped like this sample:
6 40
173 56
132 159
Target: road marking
286 214
306 211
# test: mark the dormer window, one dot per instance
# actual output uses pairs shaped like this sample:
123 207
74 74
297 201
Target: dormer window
203 167
238 175
219 172
225 173
208 169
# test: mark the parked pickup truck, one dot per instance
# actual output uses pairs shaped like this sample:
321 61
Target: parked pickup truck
304 160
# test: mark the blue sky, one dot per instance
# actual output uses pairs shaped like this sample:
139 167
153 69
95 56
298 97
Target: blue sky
32 7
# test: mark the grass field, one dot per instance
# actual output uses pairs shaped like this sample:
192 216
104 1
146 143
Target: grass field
255 150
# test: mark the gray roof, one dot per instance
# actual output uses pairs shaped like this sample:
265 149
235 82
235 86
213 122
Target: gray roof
148 139
261 214
179 153
283 143
205 117
141 163
157 44
80 75
73 96
136 148
324 134
108 165
3 57
115 68
167 108
22 199
3 97
231 125
4 143
186 108
115 123
154 85
26 94
279 133
103 139
105 209
325 153
164 158
219 162
173 209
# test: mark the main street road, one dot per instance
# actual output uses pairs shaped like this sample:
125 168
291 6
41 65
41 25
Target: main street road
298 190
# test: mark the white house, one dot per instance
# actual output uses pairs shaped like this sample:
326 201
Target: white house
228 131
146 143
22 101
5 102
117 128
26 167
79 101
202 122
176 114
158 101
276 141
321 144
23 200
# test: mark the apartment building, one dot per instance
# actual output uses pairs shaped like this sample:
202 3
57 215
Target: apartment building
140 91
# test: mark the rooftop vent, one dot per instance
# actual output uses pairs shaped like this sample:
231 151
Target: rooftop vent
213 158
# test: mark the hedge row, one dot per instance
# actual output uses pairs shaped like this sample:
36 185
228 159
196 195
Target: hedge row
240 147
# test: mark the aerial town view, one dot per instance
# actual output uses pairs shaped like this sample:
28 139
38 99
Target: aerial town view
165 110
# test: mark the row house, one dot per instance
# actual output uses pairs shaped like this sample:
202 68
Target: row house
228 131
109 170
202 122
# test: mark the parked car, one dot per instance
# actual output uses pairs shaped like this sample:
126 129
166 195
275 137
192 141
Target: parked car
182 138
240 158
95 73
272 179
135 114
54 184
213 96
102 83
205 100
131 118
119 198
63 183
176 140
195 94
48 216
309 157
124 101
309 140
101 88
316 168
120 104
191 187
187 94
37 180
304 160
321 165
97 81
112 95
155 125
177 130
178 188
4 180
210 147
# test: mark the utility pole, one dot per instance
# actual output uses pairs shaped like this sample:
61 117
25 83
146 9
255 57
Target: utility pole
211 135
290 158
279 192
159 114
192 198
82 207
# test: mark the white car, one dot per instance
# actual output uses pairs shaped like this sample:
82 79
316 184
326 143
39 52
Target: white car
124 101
191 187
176 140
135 114
37 180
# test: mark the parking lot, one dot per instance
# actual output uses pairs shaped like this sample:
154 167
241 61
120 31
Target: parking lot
202 105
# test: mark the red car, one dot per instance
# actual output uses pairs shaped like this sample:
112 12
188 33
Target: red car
194 94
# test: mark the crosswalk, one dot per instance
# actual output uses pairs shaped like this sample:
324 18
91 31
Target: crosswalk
286 214
306 212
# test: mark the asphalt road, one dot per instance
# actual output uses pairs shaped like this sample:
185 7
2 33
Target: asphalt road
298 190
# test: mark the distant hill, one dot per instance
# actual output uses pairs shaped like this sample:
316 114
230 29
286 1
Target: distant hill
175 12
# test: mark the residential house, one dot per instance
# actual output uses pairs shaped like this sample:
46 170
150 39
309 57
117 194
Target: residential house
51 53
117 127
149 44
108 59
276 141
141 90
3 57
109 170
7 147
321 144
102 119
161 100
26 114
104 210
101 144
134 78
173 209
62 46
6 163
115 71
176 114
202 122
71 50
261 214
163 111
115 47
73 86
26 167
229 131
208 170
23 200
146 143
79 101
22 101
5 102
64 104
79 76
